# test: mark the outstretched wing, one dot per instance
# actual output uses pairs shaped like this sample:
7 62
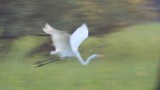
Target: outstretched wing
78 37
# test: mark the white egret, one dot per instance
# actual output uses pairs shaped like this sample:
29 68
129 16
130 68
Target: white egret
67 45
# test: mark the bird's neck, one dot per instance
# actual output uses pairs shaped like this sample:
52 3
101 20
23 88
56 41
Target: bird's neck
85 62
89 59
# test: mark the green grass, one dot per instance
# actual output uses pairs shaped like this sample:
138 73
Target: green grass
130 63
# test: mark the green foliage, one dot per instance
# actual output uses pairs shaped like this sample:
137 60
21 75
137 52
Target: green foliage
130 63
141 39
19 48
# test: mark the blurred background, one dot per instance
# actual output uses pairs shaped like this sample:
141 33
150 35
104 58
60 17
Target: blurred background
26 17
126 31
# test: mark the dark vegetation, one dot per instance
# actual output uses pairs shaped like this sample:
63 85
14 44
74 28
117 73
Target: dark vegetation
27 17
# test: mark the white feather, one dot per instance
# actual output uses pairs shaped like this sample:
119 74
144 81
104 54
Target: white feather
78 37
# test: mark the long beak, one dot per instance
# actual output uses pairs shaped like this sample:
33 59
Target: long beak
101 55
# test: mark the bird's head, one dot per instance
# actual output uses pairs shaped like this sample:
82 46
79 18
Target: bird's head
98 55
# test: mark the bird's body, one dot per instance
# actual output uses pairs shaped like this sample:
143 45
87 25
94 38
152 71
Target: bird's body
60 41
66 45
61 44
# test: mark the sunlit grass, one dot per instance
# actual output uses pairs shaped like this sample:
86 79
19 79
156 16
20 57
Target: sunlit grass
130 63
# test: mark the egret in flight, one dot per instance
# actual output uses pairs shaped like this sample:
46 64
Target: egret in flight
67 45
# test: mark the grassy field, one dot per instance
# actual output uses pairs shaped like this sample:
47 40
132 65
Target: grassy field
130 63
